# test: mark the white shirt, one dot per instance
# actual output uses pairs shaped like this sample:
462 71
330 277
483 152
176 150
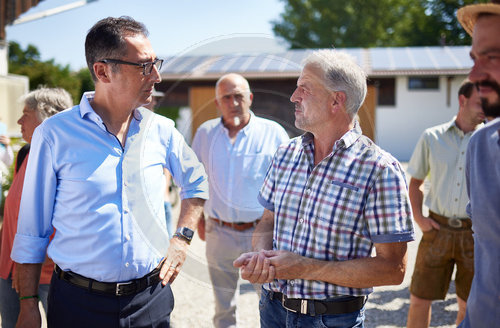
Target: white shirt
236 171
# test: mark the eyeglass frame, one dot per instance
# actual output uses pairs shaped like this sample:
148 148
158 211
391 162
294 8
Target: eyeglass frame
143 65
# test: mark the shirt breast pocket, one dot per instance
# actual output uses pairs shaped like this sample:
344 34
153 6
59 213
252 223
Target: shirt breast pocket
339 198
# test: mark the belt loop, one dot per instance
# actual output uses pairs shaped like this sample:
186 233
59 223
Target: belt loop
312 308
271 295
90 284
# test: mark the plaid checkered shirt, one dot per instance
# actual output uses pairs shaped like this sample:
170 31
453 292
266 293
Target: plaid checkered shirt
336 210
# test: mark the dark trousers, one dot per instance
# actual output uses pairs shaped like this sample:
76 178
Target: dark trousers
72 306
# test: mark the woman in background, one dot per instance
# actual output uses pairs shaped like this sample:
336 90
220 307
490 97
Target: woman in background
38 106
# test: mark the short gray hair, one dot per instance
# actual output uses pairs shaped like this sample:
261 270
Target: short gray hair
341 73
47 101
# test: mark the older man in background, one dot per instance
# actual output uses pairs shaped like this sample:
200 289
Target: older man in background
236 150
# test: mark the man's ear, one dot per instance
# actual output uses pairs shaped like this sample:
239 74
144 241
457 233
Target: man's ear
461 100
101 72
338 100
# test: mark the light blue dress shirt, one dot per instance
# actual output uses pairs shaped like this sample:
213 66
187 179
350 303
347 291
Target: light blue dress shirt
104 201
483 187
236 171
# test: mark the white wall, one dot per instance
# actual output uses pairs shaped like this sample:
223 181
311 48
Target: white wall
12 87
399 127
4 49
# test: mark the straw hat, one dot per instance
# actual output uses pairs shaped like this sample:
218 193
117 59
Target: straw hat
467 15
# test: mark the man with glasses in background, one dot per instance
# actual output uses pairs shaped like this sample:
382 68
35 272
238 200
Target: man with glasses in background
95 175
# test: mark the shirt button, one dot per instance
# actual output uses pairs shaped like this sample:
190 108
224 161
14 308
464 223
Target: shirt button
127 237
125 210
301 220
292 282
458 184
127 264
456 199
460 169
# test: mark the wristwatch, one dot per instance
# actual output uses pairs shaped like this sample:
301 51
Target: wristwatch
184 233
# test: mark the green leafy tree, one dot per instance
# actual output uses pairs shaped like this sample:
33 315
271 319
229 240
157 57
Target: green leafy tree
87 84
47 73
371 23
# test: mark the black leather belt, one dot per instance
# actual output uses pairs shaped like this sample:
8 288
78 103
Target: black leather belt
118 289
316 307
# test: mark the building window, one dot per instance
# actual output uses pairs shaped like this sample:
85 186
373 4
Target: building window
386 88
423 83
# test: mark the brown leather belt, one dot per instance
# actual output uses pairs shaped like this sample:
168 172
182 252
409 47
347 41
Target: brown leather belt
118 289
239 226
454 223
319 307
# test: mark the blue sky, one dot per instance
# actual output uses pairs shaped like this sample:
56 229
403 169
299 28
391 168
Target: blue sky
176 27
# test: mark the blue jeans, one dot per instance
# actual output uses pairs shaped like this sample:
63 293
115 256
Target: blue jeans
9 302
274 315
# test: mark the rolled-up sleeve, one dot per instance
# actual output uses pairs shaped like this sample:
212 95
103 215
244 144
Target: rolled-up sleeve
37 203
387 211
187 171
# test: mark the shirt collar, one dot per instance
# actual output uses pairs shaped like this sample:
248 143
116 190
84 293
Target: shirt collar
346 141
86 108
453 125
246 128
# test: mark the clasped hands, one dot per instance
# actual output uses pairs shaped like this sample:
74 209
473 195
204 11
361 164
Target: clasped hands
266 265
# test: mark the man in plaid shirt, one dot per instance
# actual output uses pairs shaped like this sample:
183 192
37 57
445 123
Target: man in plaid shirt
331 195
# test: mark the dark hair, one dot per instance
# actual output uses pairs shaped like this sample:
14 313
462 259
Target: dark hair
466 88
106 39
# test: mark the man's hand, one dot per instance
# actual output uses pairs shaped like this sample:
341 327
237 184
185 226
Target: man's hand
426 223
29 315
255 267
176 255
201 229
287 265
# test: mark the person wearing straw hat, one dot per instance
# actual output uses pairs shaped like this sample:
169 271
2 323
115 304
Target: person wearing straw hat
482 22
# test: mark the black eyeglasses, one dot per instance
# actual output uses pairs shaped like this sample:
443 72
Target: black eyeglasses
147 68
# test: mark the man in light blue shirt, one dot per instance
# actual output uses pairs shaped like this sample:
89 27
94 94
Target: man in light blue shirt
95 176
482 22
236 151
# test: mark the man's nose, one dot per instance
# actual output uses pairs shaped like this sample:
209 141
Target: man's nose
155 74
477 72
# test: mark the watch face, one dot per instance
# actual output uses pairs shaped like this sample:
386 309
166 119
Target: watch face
188 233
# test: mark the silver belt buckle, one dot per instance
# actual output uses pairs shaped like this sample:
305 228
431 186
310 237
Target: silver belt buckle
454 222
283 299
303 305
119 284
